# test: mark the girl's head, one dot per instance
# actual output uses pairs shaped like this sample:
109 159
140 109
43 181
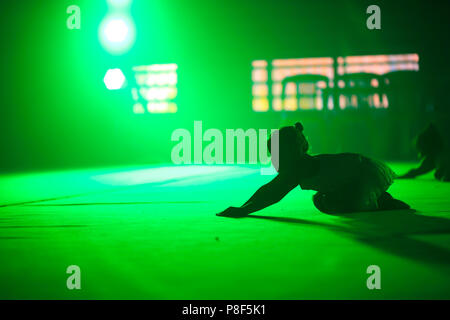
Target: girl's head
291 145
429 142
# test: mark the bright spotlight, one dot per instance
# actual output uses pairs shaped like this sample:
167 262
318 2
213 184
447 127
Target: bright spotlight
114 79
116 30
117 34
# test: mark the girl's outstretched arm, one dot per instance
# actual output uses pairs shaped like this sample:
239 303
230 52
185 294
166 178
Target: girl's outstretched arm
265 196
426 166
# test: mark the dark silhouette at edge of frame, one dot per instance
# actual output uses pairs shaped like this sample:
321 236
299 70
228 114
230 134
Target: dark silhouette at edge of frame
433 153
345 182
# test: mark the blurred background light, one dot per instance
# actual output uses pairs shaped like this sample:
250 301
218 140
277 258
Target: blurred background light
114 79
156 88
117 34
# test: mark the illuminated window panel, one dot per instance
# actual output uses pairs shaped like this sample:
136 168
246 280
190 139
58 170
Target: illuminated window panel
307 103
138 108
354 100
384 102
260 88
342 102
259 63
378 64
290 104
155 88
311 97
276 89
329 103
278 74
303 96
259 75
291 89
302 62
277 104
318 103
375 64
161 107
260 104
307 88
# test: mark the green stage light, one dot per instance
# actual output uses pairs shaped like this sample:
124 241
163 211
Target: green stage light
114 79
117 34
119 3
116 30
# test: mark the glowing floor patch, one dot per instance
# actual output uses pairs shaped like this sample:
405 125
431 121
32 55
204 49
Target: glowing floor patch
159 174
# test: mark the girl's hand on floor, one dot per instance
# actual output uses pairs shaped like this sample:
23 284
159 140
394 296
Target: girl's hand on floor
233 212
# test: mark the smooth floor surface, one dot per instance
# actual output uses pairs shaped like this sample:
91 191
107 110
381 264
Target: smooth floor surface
152 233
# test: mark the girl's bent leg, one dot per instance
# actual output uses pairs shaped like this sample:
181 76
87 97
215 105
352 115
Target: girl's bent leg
344 203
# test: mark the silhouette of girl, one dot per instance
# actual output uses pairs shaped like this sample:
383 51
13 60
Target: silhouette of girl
344 182
433 153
